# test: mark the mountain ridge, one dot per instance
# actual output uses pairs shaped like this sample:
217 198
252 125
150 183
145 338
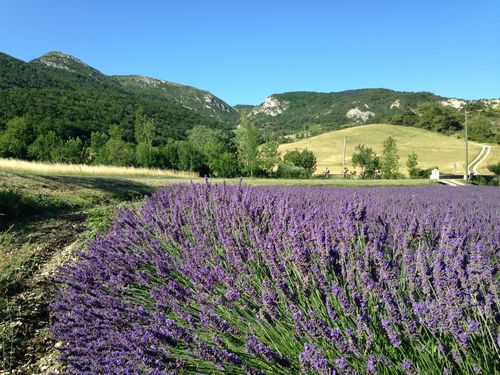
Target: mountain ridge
317 112
61 93
278 116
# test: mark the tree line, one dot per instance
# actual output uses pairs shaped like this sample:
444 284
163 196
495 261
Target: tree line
439 118
386 166
206 150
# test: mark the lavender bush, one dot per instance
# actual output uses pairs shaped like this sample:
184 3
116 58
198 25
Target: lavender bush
219 279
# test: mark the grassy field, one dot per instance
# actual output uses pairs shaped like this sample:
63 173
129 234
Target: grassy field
433 150
332 182
53 169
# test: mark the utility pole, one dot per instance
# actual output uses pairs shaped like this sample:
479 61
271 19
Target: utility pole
343 154
466 148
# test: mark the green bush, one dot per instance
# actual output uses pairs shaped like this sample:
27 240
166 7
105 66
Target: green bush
292 171
304 159
367 159
420 173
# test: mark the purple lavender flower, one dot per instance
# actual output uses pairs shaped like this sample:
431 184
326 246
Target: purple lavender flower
212 278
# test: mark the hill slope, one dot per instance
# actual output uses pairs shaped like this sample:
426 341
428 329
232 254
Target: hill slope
61 93
199 101
290 112
433 150
311 113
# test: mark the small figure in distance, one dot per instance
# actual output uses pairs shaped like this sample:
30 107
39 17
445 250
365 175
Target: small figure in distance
326 173
345 173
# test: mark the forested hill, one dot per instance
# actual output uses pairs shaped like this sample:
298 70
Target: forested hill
57 108
332 110
200 101
57 92
311 113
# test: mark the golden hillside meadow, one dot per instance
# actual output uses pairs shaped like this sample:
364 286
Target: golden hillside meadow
433 149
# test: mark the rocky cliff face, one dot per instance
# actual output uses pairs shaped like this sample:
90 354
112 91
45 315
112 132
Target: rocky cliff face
271 107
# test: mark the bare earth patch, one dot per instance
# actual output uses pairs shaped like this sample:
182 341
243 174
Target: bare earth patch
51 244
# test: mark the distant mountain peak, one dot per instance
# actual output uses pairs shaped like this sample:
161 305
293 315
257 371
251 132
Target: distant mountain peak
60 55
63 61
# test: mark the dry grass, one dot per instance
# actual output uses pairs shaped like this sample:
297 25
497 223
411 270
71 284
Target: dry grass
49 169
433 149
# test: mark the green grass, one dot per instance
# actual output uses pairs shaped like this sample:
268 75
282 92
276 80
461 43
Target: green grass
433 149
332 182
30 202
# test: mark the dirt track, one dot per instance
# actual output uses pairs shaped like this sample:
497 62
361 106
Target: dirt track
27 314
44 240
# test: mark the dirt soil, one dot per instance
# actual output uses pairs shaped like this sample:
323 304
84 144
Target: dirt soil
47 241
54 243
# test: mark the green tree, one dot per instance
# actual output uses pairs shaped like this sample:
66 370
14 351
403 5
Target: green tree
481 129
225 165
116 132
436 117
96 151
71 151
145 155
16 138
411 164
407 117
304 159
367 159
200 136
269 157
390 159
144 128
168 155
494 168
190 159
247 143
118 152
44 146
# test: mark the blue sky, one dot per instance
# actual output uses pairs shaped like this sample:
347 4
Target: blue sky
243 51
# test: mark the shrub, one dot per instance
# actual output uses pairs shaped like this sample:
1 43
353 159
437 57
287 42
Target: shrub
367 159
291 171
304 159
494 168
234 279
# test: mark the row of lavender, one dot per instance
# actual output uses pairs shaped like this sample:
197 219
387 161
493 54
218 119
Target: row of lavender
214 279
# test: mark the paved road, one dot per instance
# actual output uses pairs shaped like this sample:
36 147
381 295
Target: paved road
472 168
452 182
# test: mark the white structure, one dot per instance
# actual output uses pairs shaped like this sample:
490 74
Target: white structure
435 174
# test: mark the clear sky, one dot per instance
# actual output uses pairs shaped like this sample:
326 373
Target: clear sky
243 51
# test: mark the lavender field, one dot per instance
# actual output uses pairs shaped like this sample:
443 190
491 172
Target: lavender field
272 280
